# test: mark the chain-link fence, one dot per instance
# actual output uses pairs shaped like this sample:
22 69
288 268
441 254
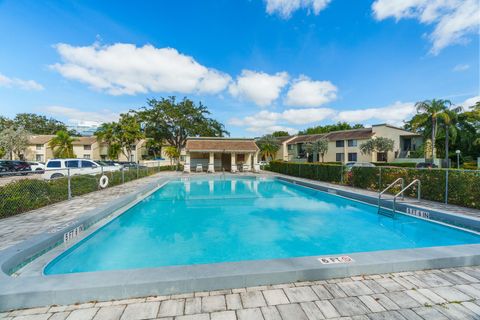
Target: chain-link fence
460 187
28 190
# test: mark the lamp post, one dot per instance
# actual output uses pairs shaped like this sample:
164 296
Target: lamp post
458 158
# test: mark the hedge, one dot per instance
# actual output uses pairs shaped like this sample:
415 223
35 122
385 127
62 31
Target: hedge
463 186
29 194
396 164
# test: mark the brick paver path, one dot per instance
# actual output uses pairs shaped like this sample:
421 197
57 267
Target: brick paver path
431 294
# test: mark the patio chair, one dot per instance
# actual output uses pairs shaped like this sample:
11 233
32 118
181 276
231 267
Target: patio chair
199 168
245 168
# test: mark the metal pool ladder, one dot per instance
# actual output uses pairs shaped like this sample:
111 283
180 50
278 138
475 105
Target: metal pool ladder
419 187
388 212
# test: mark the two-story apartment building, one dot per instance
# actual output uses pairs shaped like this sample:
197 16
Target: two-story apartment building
344 146
83 147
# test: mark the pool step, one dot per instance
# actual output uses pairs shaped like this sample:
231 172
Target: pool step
386 212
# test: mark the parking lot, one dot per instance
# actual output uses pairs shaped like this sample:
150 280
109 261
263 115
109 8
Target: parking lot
5 179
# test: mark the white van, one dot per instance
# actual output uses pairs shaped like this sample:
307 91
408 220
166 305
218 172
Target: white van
57 168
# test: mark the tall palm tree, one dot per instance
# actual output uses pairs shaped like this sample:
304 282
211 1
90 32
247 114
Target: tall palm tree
449 120
62 145
427 116
268 146
107 134
173 153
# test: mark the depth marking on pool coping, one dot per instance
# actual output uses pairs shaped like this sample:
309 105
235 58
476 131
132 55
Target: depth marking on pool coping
32 291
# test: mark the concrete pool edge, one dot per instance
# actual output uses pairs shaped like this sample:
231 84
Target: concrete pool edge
31 291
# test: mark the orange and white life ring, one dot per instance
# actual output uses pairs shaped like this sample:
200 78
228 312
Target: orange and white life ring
103 183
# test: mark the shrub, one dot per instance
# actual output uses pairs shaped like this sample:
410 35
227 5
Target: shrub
463 186
29 194
396 164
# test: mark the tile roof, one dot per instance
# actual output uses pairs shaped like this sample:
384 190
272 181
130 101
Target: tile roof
364 133
84 140
307 138
40 139
221 144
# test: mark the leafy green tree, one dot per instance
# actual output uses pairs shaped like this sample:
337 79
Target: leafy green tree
121 136
449 119
379 144
280 134
38 124
173 153
5 123
13 141
330 128
426 119
154 147
106 133
174 122
320 147
62 145
268 146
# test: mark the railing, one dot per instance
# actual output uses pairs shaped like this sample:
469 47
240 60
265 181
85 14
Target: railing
416 181
394 183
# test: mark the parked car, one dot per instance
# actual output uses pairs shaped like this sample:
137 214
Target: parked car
38 167
16 166
3 169
57 168
108 163
350 165
427 165
132 165
262 163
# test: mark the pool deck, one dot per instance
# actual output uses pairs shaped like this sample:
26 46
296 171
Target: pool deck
452 293
421 295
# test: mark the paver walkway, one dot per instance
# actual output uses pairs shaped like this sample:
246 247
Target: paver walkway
432 294
18 228
423 295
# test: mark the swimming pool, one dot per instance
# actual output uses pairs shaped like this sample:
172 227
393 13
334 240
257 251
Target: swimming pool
211 220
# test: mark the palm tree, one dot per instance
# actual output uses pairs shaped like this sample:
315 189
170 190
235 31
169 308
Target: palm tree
427 115
268 146
449 120
173 153
106 133
62 145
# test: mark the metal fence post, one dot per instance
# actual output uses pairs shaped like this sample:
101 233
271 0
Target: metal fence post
446 186
137 171
123 175
69 184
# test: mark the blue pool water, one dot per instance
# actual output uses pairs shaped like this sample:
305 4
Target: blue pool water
208 221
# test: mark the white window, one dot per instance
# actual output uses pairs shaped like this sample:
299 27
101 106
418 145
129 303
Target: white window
39 146
87 147
39 157
86 156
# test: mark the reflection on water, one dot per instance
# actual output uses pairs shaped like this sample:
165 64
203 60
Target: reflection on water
208 221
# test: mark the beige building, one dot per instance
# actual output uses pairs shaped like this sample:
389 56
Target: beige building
38 149
83 147
220 154
344 146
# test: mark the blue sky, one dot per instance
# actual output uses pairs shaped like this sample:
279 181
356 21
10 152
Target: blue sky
258 65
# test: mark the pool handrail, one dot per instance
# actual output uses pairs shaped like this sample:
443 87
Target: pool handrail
404 189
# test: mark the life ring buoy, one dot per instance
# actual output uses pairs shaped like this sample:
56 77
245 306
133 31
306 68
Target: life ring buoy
103 183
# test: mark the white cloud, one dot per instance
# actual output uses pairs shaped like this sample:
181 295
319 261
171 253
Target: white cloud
461 67
308 93
259 87
470 101
79 117
266 121
19 83
127 69
393 114
285 8
453 20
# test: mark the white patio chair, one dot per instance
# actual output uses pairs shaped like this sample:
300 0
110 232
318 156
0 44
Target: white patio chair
199 168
